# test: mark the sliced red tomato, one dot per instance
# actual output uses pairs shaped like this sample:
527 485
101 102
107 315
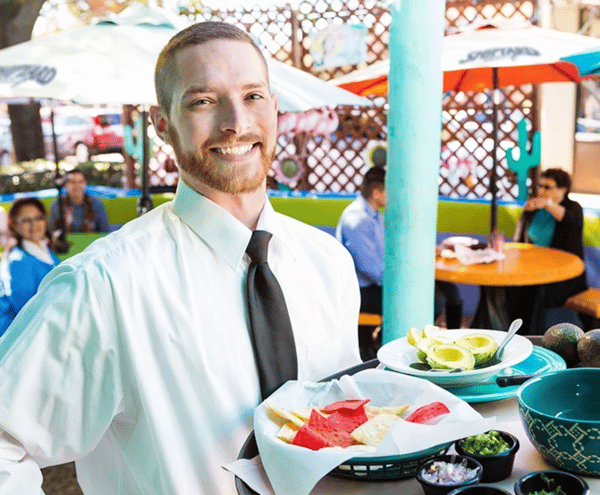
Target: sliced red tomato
316 438
339 420
311 438
425 414
346 405
317 420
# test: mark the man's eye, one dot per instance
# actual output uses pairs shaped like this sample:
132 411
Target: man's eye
255 96
199 102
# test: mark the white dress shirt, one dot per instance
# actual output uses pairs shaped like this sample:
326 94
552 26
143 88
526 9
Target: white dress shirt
134 358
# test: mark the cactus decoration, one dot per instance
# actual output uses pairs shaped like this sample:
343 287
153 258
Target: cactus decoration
526 160
135 147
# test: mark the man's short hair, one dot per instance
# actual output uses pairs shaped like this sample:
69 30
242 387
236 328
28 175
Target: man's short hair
196 34
559 176
373 179
76 171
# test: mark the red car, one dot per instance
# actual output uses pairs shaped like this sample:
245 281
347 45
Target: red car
84 134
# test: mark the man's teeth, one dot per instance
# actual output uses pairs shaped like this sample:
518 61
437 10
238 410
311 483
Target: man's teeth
234 150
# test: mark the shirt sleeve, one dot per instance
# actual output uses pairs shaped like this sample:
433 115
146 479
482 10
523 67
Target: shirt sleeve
350 308
59 385
367 255
573 218
100 217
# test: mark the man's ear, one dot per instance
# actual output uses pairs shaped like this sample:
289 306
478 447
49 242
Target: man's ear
160 122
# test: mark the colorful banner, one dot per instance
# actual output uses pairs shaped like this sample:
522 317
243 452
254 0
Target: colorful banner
323 122
338 45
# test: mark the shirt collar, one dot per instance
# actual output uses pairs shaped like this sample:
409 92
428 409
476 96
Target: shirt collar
41 252
223 233
368 208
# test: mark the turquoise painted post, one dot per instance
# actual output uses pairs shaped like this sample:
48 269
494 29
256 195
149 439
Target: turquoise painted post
413 162
133 146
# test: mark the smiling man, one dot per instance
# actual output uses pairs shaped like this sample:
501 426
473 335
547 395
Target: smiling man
141 358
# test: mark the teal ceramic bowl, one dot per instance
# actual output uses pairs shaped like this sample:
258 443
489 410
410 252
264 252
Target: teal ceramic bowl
560 412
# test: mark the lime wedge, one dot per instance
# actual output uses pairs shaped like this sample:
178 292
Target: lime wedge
414 335
430 331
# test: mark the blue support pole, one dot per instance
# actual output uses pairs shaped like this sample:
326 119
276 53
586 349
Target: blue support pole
413 162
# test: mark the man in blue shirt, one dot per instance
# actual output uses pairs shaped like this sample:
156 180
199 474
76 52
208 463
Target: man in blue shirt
360 230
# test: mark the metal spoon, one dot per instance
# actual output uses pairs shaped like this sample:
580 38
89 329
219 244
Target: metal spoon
514 326
512 330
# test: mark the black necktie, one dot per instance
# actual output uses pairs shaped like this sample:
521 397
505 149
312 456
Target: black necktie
270 326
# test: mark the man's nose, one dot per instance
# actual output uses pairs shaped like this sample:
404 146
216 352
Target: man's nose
234 117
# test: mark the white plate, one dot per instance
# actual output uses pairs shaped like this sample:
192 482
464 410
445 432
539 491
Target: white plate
465 241
399 354
447 253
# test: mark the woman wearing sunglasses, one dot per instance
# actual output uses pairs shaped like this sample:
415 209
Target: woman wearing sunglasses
552 219
25 265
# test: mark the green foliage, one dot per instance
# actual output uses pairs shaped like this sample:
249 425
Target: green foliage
37 175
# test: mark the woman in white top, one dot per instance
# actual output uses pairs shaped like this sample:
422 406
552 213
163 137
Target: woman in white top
25 265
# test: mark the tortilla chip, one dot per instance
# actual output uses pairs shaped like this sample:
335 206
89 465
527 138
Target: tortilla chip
281 416
372 411
373 431
287 433
304 413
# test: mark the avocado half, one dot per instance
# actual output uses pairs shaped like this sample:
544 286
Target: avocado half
450 356
482 346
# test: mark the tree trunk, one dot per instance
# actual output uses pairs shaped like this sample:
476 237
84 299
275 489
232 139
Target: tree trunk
26 128
17 18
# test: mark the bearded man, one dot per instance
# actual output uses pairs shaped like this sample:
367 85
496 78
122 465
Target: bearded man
139 358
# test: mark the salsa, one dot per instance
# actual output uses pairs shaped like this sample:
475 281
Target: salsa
448 473
490 443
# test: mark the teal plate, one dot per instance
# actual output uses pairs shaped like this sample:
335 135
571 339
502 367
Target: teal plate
540 361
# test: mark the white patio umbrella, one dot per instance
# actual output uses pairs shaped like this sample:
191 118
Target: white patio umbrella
490 54
109 62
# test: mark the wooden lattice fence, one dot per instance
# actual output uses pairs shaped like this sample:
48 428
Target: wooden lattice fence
337 162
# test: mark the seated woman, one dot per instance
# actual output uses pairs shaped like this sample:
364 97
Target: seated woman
28 261
550 219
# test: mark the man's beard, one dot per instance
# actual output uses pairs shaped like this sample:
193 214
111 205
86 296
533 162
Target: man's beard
221 176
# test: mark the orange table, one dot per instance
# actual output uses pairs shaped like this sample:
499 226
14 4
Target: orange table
525 264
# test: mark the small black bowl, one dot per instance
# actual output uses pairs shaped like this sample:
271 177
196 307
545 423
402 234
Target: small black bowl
496 467
532 482
437 489
479 490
